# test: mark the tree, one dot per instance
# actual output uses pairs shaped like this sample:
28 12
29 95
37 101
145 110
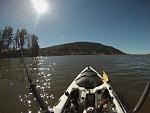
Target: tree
34 45
29 41
22 36
7 37
16 39
1 33
10 43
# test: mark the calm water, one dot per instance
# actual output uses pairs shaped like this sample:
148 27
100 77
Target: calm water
53 75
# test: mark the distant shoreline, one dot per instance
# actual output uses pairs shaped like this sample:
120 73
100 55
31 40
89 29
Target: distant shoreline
74 55
71 49
19 56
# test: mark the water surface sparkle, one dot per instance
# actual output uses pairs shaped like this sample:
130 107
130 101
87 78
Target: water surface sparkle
53 75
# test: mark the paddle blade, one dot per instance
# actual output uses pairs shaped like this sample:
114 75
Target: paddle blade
105 77
142 99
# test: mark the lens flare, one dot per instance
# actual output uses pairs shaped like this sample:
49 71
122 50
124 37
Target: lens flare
40 6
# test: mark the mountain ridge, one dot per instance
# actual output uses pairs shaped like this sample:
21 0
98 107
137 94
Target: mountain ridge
80 48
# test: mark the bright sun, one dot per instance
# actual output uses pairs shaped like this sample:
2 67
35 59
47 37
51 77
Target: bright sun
40 6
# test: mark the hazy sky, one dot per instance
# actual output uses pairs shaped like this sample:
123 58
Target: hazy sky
124 24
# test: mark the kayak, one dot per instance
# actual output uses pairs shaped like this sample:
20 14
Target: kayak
90 92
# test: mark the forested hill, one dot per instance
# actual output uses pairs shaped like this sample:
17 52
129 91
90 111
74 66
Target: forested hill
80 48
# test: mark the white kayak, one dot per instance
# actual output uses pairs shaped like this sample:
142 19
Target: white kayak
89 93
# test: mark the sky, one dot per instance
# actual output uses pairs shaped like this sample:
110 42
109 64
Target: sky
123 24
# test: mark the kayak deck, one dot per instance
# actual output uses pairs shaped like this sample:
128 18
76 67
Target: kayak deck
89 93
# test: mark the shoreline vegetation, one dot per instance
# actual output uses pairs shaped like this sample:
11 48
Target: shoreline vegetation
13 43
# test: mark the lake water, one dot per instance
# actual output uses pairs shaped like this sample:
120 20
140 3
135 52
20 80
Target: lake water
128 75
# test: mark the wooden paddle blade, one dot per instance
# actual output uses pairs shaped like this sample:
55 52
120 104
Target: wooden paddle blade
105 77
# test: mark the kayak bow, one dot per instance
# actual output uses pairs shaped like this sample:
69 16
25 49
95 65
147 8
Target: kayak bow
90 93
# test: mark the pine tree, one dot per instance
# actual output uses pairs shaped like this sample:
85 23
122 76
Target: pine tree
34 45
16 39
10 43
22 36
1 33
7 37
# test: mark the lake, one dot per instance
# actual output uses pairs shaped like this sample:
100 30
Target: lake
128 75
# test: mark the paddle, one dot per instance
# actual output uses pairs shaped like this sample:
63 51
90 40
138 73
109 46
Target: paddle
142 99
105 77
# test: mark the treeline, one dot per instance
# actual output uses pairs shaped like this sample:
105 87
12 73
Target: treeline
11 43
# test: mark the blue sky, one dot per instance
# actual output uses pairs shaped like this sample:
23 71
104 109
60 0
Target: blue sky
124 24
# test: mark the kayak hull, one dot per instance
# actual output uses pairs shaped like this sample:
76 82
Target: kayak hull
90 84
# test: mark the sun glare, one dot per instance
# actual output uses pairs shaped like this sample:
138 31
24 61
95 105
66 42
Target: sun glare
40 6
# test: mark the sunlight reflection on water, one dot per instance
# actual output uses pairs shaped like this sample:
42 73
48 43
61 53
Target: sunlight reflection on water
45 69
39 66
52 75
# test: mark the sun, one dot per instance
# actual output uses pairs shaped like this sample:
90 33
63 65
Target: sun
40 6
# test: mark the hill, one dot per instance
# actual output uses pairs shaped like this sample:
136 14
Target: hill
80 48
